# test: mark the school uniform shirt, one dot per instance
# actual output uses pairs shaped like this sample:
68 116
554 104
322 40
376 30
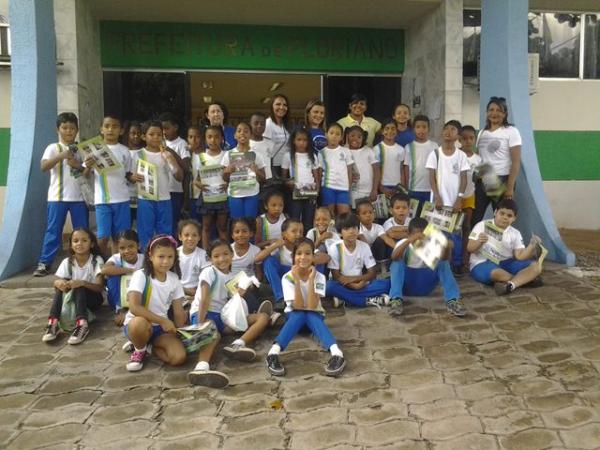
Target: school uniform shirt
191 265
216 281
373 233
494 147
289 291
511 241
350 263
118 261
280 137
391 222
363 158
284 255
244 262
390 158
415 157
411 260
271 230
335 162
264 148
180 147
370 125
88 272
313 234
205 159
132 186
302 168
474 160
160 295
162 169
448 171
246 191
111 187
318 139
63 178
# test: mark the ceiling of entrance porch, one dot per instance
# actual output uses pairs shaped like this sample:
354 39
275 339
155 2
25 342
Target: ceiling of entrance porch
551 5
315 13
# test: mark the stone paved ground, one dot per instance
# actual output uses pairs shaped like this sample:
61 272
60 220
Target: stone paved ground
517 373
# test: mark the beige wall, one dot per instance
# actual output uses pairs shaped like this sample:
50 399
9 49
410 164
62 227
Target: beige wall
568 213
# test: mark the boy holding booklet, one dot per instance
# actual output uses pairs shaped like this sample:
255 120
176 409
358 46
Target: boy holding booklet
498 255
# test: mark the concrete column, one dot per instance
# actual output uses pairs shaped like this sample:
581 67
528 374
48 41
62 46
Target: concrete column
33 117
504 73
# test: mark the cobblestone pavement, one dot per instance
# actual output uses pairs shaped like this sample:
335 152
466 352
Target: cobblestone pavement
517 373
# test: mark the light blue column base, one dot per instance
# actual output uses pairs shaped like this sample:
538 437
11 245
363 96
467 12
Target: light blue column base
504 73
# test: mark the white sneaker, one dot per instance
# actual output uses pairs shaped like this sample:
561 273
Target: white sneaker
378 300
127 347
337 302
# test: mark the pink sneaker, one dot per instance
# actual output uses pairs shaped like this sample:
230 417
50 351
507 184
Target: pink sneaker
136 360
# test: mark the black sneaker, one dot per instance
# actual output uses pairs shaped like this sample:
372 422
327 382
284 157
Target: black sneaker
41 271
503 288
274 366
51 332
456 308
458 271
335 366
79 334
396 307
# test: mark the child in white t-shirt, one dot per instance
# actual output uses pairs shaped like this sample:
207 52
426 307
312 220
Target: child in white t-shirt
374 234
119 265
192 258
211 297
365 163
268 225
152 291
390 156
337 166
260 145
303 288
323 234
498 254
415 160
396 227
111 191
301 165
350 257
196 146
80 275
410 275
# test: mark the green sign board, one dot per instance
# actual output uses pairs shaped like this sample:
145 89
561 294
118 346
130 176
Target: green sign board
250 47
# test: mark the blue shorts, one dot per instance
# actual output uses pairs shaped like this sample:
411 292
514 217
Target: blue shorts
210 315
156 332
482 272
334 197
112 218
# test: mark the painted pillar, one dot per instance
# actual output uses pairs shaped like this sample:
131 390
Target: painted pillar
504 73
33 117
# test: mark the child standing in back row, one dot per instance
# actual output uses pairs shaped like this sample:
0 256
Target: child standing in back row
390 156
196 148
260 145
365 162
415 161
64 194
337 165
155 216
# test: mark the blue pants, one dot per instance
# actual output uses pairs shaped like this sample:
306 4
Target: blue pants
112 218
420 282
243 207
357 297
274 270
422 197
57 214
456 257
176 205
113 285
296 320
153 217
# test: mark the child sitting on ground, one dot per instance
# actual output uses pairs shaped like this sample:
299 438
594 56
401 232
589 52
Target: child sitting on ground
348 259
374 234
396 227
303 287
323 234
268 225
497 239
410 276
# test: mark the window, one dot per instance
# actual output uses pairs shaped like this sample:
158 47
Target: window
556 37
591 46
4 42
471 42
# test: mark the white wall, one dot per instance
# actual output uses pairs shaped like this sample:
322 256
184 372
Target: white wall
568 213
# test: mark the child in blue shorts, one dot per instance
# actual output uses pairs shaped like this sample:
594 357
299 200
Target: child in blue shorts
211 297
410 276
498 255
337 164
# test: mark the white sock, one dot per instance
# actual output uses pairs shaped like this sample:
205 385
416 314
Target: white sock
140 349
202 365
512 285
275 349
239 342
335 351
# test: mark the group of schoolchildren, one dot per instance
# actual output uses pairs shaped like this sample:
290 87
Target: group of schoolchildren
305 248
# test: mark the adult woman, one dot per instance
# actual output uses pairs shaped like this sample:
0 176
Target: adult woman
277 130
499 145
314 121
217 115
356 116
